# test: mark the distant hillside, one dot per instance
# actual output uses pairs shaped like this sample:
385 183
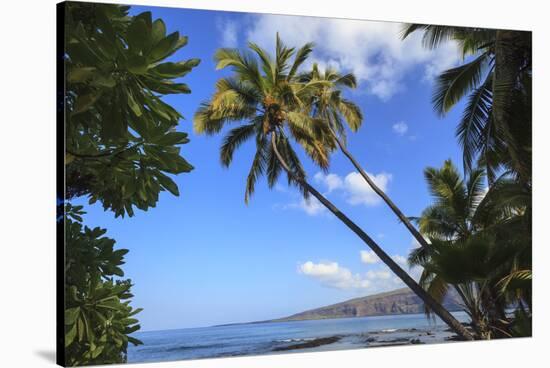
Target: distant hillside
400 301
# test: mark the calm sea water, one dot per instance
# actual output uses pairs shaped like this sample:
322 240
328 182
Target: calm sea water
264 338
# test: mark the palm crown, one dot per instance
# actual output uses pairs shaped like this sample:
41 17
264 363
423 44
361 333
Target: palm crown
495 127
265 96
328 103
477 239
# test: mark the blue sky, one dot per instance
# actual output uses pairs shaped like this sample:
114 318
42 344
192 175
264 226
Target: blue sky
206 258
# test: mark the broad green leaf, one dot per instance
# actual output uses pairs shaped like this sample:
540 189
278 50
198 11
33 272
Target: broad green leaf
167 46
81 75
134 341
133 104
70 335
137 64
172 138
158 31
168 184
137 35
175 70
71 315
86 101
97 351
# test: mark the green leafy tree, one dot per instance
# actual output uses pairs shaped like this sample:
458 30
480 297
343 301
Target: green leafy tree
480 245
265 96
121 138
98 315
122 147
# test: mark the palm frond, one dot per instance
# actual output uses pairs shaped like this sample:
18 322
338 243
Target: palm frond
274 167
348 80
292 160
520 279
243 63
454 83
474 119
475 189
234 139
301 55
283 55
352 114
434 35
437 288
313 136
418 256
257 168
267 63
438 221
203 122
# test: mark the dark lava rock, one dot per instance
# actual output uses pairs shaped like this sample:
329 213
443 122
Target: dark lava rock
310 344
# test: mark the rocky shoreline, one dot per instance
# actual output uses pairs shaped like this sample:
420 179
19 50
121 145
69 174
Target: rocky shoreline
391 337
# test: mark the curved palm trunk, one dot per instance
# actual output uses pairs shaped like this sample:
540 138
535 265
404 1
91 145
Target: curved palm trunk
393 266
382 195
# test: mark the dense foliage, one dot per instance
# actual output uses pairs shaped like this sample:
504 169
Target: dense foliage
121 142
121 148
481 237
98 317
495 128
480 245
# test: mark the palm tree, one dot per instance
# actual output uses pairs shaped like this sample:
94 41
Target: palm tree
329 106
478 242
496 124
269 102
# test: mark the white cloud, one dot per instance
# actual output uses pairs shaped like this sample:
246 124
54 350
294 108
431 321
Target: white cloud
331 274
374 51
228 29
359 192
331 181
375 279
379 275
356 190
400 128
368 257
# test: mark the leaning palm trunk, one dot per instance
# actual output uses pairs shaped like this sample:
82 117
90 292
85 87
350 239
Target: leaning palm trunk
436 307
379 191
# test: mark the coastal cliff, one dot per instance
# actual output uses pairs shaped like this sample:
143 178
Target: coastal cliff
400 301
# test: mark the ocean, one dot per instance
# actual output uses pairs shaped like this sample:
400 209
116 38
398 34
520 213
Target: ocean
282 337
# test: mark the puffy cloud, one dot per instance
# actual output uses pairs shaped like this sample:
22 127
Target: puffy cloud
331 181
359 192
373 50
356 189
228 30
380 274
368 257
331 274
375 279
400 128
